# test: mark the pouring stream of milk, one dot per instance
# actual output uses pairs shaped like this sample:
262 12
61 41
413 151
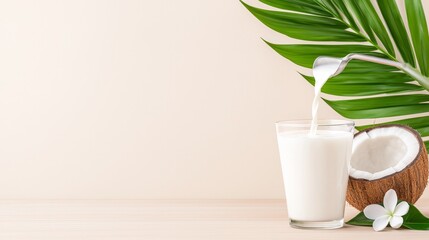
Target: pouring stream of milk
322 71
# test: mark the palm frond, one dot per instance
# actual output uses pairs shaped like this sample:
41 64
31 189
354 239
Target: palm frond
372 91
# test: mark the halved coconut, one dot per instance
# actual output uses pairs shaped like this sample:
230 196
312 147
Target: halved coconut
383 158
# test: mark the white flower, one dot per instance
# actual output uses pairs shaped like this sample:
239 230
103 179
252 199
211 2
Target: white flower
390 213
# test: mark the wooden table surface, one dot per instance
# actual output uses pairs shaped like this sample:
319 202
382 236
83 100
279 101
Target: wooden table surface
168 219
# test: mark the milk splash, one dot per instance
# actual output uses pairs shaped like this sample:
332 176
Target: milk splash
325 68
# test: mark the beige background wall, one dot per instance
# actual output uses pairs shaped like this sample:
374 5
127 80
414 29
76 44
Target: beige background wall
142 99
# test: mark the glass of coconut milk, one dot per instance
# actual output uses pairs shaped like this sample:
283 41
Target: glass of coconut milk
315 170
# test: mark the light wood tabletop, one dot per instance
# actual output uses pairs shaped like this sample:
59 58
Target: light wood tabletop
168 219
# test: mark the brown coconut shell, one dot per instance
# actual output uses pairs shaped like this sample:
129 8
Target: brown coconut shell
409 183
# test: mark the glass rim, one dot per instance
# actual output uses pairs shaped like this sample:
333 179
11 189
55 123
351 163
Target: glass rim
323 122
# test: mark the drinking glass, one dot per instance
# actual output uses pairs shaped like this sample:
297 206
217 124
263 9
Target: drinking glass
315 171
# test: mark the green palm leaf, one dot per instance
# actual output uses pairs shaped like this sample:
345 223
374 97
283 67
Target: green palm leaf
348 16
371 90
329 6
305 27
381 107
419 33
374 22
421 123
305 54
361 19
303 6
356 88
394 22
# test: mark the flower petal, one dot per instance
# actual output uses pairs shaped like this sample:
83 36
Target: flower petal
381 223
390 200
401 209
396 222
374 211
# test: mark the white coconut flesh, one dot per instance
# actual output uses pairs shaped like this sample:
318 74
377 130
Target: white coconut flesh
382 151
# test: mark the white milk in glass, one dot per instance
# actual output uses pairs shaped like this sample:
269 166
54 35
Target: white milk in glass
315 163
315 172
